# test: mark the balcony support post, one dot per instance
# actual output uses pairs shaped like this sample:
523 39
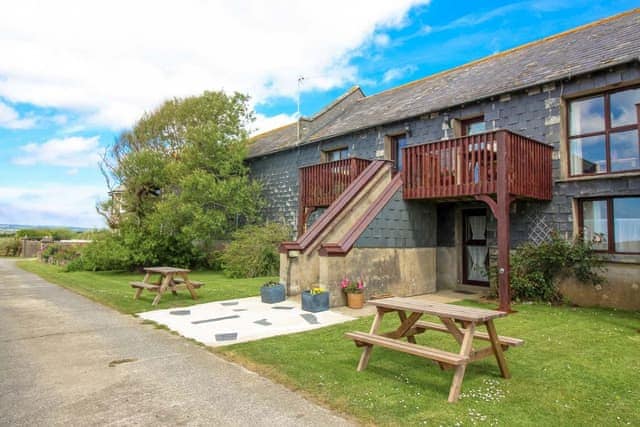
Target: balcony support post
500 209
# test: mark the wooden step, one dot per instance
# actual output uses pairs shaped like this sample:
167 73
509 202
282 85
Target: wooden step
405 347
509 341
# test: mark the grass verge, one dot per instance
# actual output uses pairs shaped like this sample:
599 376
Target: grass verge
578 367
112 288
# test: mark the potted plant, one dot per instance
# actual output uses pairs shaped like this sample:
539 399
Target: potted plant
315 300
272 292
354 291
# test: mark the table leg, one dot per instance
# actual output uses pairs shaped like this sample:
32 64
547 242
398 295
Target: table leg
146 278
163 287
366 352
189 286
497 349
465 350
403 318
172 284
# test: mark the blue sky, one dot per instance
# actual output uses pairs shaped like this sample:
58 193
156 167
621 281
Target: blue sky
70 82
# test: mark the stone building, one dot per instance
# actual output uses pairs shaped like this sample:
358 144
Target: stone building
425 186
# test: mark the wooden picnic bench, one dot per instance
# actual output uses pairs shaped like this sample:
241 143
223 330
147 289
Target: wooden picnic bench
167 280
458 321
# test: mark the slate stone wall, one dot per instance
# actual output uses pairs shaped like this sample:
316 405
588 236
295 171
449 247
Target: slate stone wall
401 224
535 113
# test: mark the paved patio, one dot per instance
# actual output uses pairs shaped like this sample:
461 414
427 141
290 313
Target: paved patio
239 320
248 319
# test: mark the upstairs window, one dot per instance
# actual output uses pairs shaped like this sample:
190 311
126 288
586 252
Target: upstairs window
604 133
473 126
397 143
338 154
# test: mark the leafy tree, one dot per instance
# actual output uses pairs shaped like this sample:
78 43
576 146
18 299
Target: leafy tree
186 184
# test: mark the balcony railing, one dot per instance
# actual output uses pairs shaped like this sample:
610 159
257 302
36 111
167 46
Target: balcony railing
321 184
469 166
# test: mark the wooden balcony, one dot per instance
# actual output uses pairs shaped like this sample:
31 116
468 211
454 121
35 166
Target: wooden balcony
323 183
471 166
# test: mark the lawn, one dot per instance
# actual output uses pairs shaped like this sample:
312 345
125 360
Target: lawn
578 367
112 288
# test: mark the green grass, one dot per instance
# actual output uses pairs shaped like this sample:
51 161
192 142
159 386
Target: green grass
578 367
112 288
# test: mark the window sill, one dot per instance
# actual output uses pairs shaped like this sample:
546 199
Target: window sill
620 258
600 176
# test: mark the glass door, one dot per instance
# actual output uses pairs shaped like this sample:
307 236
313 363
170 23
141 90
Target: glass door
475 252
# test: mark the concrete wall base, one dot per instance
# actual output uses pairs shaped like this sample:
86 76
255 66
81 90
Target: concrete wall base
397 271
622 290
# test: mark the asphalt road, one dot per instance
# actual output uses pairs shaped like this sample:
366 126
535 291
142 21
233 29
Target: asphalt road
65 360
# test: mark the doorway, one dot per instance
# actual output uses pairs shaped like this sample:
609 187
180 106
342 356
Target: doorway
475 252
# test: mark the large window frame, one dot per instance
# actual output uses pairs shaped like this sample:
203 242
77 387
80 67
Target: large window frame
608 130
611 237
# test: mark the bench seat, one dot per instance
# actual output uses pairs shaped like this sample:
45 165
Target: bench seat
506 341
143 285
194 283
406 347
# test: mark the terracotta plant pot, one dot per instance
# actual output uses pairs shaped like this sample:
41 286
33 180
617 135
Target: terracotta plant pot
355 300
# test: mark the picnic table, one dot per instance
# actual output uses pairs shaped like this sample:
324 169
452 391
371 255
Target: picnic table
169 278
460 322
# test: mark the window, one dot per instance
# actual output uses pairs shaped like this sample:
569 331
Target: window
472 126
611 224
397 143
338 154
604 133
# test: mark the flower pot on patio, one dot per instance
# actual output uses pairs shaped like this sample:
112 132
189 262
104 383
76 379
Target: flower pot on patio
272 292
315 301
354 291
355 299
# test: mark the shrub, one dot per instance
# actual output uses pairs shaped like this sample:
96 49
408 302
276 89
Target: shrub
105 254
535 268
9 246
59 254
253 251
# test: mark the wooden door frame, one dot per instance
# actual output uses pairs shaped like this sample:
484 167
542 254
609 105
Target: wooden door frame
465 214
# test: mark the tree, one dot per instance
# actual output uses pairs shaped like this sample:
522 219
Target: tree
186 184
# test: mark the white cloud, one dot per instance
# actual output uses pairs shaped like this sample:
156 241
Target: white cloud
72 152
397 73
53 204
264 123
9 118
110 61
381 40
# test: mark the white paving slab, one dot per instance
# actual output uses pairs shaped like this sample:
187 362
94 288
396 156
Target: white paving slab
215 323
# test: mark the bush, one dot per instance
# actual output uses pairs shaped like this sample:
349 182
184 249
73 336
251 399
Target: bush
59 254
9 246
254 251
103 255
535 268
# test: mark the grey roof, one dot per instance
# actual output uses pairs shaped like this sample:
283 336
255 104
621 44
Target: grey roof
594 46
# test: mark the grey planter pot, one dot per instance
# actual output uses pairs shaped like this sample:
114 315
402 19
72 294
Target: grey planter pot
272 294
315 303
